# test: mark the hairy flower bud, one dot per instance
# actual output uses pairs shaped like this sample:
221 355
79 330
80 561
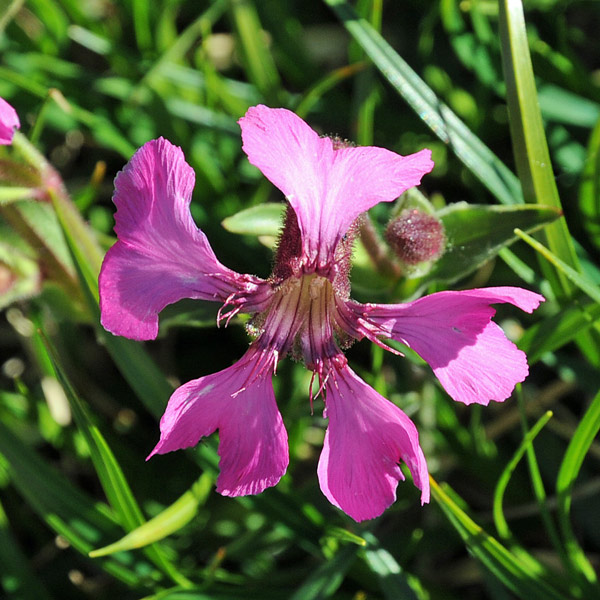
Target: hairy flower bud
416 237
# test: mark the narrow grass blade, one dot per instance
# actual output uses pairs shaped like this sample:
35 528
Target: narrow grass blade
228 593
171 59
366 92
316 92
18 579
593 291
259 61
64 508
111 476
346 536
103 130
13 194
498 511
392 579
529 140
141 23
521 269
558 330
537 485
326 580
507 567
569 470
170 520
476 156
140 371
131 359
589 190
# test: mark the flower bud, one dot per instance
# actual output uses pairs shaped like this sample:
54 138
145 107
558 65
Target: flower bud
416 236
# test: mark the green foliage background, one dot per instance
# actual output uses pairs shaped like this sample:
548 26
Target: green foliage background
509 102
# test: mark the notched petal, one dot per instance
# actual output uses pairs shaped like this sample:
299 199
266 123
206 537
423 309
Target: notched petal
453 332
240 404
161 256
366 439
327 188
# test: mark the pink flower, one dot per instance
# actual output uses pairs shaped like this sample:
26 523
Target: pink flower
9 121
303 309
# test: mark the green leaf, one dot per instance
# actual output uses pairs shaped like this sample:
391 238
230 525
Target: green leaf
368 284
19 173
36 224
537 485
141 23
103 129
170 520
41 219
366 87
20 275
475 234
569 470
263 219
139 370
476 156
201 115
475 51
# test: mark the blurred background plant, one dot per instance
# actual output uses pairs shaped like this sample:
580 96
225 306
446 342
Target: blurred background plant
91 82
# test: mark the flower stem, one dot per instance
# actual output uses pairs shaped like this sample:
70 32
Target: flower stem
378 250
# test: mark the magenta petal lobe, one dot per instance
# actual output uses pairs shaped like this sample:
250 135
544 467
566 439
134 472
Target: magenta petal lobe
453 332
366 439
240 404
161 256
328 189
9 121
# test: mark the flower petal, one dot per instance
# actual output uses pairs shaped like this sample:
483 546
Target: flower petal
327 188
454 333
366 439
240 403
9 121
161 256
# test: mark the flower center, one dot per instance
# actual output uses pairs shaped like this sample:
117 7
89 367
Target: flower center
300 320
